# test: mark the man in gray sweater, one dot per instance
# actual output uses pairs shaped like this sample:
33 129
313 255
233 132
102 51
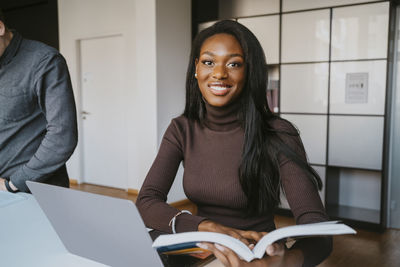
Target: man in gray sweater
38 130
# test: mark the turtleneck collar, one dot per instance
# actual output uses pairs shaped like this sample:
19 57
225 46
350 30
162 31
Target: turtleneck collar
222 118
11 49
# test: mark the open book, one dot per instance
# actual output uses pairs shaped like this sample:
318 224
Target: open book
186 242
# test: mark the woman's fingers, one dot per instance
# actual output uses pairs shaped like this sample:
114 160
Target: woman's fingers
231 256
276 249
226 256
243 236
237 234
219 254
210 226
252 235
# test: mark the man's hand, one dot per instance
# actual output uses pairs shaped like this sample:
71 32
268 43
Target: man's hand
2 184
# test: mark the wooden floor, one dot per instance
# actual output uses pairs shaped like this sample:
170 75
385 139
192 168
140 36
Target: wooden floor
366 249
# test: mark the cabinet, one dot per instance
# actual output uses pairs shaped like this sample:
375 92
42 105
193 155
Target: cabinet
331 63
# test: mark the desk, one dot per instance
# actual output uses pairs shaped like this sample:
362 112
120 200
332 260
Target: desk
27 237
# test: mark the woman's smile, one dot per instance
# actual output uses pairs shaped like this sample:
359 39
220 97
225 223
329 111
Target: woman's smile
219 88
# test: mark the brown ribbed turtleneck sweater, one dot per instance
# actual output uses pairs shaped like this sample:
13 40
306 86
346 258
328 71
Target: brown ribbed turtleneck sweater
211 156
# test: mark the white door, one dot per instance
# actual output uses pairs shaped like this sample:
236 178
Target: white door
104 130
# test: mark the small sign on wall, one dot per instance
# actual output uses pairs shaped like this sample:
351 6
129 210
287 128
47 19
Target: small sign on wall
356 88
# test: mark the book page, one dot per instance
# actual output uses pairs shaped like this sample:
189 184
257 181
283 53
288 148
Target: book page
303 230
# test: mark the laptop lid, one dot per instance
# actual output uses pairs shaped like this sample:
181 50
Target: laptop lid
104 229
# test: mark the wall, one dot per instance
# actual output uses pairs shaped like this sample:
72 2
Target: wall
143 130
173 49
156 89
173 28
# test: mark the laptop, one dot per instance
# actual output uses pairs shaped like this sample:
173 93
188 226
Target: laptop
104 229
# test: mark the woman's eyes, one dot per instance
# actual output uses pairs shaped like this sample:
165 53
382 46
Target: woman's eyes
207 62
235 64
230 64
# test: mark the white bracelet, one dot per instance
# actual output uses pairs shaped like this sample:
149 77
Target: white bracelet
172 221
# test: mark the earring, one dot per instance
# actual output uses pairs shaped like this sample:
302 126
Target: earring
195 75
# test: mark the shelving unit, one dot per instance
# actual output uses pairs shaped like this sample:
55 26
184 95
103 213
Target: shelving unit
365 212
330 58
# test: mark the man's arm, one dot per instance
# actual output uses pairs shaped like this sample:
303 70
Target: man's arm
54 93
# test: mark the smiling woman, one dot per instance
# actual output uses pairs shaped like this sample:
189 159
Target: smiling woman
237 155
220 70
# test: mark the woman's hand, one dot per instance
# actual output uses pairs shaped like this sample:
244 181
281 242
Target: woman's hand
247 237
277 256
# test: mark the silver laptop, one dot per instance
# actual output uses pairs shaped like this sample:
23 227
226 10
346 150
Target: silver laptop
104 229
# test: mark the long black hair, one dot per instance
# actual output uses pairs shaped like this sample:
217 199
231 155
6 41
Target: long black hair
263 144
2 17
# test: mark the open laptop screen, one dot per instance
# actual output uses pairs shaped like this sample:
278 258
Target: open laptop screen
104 229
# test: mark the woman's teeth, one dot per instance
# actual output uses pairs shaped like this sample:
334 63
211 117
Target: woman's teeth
219 88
